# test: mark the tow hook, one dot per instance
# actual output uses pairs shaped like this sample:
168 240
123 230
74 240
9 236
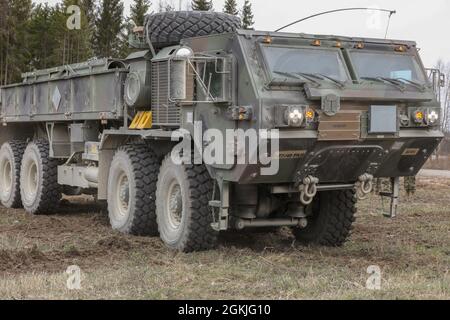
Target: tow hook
364 186
308 190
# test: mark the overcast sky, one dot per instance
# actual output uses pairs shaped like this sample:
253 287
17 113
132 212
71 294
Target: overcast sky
426 22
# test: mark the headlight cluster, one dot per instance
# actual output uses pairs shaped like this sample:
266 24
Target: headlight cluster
425 117
297 116
294 117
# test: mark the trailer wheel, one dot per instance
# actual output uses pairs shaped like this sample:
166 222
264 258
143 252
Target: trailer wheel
330 224
39 186
182 207
169 28
131 190
11 154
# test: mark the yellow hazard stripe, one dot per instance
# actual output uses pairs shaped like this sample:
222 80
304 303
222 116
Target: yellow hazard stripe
142 120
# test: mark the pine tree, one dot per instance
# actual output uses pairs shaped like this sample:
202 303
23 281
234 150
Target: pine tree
108 39
89 8
247 15
16 52
202 5
231 7
139 10
4 13
75 45
43 38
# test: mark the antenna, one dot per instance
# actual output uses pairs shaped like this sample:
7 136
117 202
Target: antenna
391 12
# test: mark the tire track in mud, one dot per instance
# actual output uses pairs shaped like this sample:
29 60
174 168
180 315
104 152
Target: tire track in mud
79 234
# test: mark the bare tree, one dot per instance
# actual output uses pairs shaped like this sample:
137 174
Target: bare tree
166 6
444 68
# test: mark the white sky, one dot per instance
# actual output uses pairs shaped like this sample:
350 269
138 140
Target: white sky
426 22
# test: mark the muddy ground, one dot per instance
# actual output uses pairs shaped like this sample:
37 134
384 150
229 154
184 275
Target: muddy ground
413 252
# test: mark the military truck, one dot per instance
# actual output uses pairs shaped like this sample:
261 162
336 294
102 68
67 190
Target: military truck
336 113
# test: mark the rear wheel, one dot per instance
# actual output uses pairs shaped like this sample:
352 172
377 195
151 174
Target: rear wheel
39 186
330 223
131 190
182 207
11 154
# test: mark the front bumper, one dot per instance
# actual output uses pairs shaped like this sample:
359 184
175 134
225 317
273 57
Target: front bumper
301 155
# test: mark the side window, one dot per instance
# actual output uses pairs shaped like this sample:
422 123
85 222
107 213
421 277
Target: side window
213 77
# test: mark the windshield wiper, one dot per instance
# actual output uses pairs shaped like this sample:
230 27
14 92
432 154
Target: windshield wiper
339 83
300 76
398 84
418 85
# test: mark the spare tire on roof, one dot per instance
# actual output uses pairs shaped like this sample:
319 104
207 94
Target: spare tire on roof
169 28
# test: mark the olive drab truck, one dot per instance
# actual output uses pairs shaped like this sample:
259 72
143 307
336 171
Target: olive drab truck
335 112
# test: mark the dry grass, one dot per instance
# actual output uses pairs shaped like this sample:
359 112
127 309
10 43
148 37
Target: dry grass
413 251
439 163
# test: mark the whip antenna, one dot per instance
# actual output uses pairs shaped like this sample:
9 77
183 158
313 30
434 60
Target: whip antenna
391 12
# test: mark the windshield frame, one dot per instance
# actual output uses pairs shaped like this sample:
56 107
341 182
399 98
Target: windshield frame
414 57
272 77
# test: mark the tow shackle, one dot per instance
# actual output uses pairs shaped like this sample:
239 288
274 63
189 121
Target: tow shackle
364 186
308 190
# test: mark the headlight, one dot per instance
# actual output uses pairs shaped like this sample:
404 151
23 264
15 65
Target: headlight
424 117
419 117
310 115
432 117
183 53
294 117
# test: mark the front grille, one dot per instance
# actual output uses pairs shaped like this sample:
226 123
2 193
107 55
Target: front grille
165 113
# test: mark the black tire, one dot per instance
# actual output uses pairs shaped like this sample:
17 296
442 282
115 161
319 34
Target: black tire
169 28
39 188
192 231
333 213
11 154
140 165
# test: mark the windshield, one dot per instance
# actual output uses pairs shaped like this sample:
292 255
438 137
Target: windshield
387 65
305 64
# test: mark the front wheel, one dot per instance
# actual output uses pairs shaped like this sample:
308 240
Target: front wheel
330 221
182 207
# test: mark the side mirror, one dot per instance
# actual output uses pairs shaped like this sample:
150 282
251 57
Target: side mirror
442 80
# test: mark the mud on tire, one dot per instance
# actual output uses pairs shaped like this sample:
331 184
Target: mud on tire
333 214
39 188
169 28
11 154
182 207
132 209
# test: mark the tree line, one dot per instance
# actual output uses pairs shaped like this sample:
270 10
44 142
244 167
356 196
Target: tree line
36 36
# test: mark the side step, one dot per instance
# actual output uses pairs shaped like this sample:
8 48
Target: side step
394 197
223 207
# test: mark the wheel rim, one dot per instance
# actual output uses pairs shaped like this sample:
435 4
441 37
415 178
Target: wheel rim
174 204
6 178
31 183
122 196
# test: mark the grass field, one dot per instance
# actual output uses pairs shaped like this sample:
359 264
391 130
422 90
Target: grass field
441 163
413 252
